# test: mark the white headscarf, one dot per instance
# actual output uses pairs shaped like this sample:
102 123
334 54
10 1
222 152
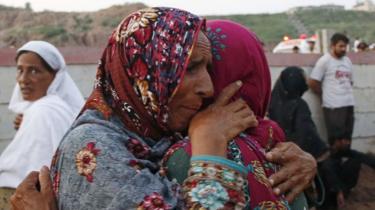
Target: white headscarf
62 85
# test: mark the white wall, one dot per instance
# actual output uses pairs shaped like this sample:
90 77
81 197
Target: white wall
364 91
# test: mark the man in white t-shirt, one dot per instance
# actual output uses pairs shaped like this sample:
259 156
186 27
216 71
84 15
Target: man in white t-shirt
332 79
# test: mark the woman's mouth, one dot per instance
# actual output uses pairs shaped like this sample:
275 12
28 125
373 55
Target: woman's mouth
26 90
192 108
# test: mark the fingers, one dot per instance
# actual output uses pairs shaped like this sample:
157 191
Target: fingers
16 202
45 181
241 121
288 184
237 105
30 182
26 186
279 154
17 121
245 111
284 146
250 121
227 93
276 156
18 118
243 114
297 169
290 196
279 177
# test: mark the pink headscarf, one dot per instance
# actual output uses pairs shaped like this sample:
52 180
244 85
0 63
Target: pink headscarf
238 55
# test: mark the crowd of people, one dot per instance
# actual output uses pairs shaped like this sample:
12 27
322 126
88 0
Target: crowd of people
181 116
331 79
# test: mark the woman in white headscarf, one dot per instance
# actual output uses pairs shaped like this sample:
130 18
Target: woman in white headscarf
48 99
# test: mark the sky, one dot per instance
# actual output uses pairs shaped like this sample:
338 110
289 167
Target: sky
200 7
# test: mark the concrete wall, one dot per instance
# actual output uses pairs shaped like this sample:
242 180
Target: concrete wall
364 91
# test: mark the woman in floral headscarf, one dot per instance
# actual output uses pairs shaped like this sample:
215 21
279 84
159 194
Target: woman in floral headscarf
151 81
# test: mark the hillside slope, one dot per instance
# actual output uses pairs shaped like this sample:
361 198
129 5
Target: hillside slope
19 25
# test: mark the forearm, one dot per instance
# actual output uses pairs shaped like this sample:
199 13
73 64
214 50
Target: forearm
201 146
209 173
315 86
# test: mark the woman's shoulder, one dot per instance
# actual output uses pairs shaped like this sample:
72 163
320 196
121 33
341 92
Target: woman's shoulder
89 127
49 111
50 104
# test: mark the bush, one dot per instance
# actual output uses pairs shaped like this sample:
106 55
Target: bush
111 22
82 24
51 31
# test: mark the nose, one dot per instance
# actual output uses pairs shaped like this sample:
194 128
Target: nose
204 85
22 78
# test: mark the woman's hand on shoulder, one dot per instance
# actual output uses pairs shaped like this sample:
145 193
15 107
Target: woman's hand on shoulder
35 192
211 129
298 168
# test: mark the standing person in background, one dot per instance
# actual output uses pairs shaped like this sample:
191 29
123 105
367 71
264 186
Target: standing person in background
332 79
46 101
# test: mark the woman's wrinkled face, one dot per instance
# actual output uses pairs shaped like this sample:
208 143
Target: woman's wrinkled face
33 76
195 86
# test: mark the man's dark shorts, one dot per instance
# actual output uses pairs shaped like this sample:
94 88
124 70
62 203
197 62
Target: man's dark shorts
339 123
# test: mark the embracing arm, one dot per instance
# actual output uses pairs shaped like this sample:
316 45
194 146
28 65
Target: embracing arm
298 168
29 197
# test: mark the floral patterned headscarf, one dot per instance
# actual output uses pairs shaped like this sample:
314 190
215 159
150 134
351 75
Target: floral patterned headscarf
142 67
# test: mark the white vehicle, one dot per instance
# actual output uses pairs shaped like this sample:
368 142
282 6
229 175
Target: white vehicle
295 46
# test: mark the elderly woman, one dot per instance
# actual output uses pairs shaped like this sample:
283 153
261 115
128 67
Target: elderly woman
150 85
48 100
